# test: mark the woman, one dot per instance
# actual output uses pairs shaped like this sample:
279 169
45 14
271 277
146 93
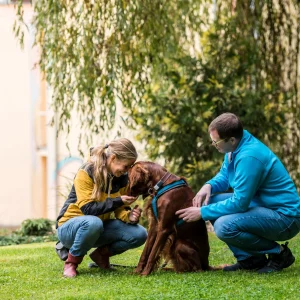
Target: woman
85 221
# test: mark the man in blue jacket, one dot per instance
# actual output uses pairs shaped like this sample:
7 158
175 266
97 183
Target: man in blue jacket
263 208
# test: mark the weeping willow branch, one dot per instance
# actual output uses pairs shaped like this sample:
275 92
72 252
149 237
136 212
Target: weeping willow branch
215 56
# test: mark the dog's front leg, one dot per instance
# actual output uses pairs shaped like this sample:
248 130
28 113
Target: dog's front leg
152 233
157 248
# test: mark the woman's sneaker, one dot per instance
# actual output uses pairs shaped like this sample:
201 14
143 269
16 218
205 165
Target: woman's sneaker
280 261
252 263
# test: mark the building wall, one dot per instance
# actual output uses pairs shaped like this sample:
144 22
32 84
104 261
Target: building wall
15 124
28 150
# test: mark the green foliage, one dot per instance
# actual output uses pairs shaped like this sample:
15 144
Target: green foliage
37 227
17 239
39 270
31 231
235 72
183 101
175 65
94 52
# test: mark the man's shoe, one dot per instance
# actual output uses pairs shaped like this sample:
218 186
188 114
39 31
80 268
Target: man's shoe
250 263
280 261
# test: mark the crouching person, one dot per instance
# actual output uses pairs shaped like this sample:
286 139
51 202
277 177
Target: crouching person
85 220
264 207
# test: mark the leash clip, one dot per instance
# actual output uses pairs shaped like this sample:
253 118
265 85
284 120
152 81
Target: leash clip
151 192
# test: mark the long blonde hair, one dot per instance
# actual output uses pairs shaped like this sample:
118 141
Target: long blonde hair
122 148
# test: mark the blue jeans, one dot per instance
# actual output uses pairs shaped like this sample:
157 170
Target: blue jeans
80 234
255 231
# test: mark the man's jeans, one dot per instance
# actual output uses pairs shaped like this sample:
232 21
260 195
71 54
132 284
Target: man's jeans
255 231
80 234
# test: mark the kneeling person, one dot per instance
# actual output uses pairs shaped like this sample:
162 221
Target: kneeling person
263 208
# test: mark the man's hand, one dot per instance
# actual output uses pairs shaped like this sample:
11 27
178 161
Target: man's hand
127 200
135 214
190 214
202 197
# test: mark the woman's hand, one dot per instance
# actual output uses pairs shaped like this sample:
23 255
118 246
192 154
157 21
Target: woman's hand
127 200
135 214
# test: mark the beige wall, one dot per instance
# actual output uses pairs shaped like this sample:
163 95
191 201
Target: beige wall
15 150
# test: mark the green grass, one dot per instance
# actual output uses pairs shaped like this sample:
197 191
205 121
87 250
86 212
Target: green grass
35 272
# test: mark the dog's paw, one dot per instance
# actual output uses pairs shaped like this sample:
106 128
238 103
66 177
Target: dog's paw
145 273
138 270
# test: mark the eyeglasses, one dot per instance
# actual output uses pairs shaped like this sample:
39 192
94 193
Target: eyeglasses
215 143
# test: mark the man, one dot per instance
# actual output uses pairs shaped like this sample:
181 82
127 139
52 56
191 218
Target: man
263 208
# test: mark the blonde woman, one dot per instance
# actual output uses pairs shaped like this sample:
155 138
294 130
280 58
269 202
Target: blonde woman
86 220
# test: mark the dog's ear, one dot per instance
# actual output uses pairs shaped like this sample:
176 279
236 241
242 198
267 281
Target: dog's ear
138 174
144 172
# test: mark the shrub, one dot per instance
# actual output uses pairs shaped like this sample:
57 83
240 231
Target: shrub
17 239
36 227
31 231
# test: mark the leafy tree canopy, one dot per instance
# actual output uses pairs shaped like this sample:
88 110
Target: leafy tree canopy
175 65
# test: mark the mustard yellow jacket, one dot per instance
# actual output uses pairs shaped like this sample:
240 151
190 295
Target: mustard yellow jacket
80 202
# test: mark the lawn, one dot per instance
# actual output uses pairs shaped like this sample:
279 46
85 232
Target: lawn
34 271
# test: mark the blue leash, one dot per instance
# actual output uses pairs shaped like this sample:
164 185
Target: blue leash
163 190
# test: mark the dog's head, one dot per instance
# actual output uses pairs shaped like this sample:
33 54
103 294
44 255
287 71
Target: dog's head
143 176
139 178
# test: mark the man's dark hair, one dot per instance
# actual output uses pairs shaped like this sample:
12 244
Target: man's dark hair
227 125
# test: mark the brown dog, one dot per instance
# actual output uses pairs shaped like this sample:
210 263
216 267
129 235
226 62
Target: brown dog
185 245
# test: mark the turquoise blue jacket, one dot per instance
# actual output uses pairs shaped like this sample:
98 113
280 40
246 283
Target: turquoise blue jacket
257 177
